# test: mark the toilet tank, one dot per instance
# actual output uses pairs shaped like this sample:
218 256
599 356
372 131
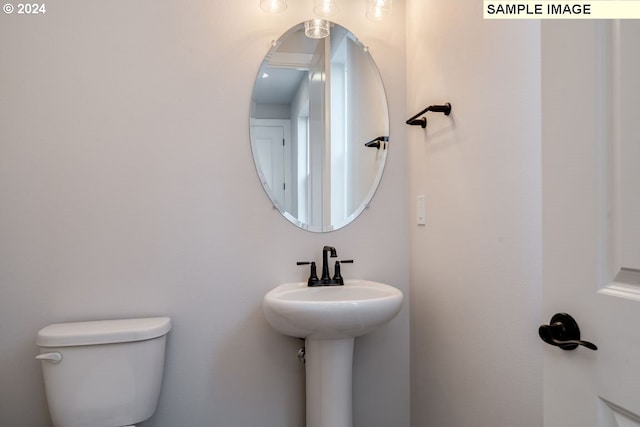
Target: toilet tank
110 371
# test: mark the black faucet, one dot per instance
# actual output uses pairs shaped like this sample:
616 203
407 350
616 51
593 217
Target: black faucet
326 279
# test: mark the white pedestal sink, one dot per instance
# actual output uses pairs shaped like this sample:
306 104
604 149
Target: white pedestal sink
329 318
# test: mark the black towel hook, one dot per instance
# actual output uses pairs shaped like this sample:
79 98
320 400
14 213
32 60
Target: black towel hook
375 142
415 121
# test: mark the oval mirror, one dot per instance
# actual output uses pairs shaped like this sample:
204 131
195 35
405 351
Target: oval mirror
319 128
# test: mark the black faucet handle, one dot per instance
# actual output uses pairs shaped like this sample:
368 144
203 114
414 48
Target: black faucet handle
337 276
313 274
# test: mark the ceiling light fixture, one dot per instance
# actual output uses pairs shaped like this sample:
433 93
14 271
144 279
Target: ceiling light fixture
378 9
326 8
319 28
273 6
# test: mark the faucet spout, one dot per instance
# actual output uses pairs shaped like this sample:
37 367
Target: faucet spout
325 264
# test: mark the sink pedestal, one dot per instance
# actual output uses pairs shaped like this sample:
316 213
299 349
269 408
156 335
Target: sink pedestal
329 370
329 318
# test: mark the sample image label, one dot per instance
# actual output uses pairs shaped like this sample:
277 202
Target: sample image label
549 9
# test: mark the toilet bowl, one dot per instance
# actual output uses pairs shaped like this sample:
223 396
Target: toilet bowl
105 373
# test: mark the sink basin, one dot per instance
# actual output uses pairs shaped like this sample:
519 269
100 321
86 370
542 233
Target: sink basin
331 312
329 318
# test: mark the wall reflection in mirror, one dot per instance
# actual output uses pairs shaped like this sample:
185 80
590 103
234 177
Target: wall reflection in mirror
316 104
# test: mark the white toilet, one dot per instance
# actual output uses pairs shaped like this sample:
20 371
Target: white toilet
104 373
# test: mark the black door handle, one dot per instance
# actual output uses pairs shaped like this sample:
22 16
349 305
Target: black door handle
563 331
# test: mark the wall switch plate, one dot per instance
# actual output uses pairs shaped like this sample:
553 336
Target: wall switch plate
421 210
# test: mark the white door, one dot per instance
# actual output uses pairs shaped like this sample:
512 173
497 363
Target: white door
591 219
271 156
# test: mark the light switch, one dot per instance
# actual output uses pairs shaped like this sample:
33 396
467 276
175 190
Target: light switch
421 210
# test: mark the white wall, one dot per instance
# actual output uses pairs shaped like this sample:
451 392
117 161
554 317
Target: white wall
475 266
127 188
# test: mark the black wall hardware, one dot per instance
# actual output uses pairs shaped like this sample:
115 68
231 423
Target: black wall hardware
562 331
415 121
375 142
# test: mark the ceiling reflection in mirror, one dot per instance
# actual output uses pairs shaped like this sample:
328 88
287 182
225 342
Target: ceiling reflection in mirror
319 128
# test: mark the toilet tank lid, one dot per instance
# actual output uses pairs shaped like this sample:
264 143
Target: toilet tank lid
102 332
